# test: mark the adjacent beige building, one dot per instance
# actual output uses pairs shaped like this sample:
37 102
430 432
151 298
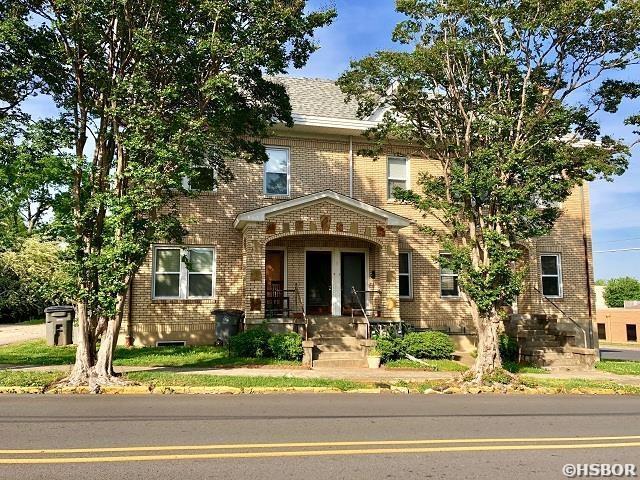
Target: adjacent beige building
316 223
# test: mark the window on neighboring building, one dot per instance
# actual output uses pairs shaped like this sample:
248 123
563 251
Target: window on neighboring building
448 280
404 275
397 174
183 273
276 172
551 272
632 334
602 331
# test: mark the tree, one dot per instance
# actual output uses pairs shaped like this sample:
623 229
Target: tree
620 289
162 89
490 90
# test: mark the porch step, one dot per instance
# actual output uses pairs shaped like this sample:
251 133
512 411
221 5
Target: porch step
339 347
330 334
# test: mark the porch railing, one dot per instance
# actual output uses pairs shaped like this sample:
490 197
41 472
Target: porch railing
357 295
584 332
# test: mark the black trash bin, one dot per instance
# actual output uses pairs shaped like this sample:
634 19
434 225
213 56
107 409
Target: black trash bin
59 323
227 324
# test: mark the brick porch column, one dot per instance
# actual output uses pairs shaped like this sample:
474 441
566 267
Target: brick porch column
389 280
254 260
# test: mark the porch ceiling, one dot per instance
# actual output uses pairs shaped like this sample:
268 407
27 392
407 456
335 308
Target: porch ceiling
260 214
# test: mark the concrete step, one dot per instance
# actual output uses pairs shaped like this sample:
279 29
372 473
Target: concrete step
320 334
337 347
328 355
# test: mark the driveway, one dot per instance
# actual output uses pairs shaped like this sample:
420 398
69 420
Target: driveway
16 332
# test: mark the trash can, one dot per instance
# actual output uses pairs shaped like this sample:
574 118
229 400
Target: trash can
227 324
59 322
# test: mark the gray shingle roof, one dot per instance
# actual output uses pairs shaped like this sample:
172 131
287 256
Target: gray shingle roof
317 96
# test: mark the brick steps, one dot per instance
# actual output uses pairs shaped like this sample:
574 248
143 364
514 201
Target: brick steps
336 345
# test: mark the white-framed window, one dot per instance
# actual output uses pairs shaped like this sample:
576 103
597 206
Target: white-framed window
448 281
181 273
204 179
551 275
404 275
277 178
397 174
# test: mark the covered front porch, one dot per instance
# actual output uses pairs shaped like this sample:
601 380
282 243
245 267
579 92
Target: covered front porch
320 257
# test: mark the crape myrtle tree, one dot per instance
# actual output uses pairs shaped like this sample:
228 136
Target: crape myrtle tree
498 93
152 91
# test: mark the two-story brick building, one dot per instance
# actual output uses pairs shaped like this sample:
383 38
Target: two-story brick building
318 222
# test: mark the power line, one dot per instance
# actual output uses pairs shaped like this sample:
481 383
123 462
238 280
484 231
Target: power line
619 240
618 250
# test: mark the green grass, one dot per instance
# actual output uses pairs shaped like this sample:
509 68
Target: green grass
38 353
619 367
9 378
33 321
567 385
191 380
433 365
515 367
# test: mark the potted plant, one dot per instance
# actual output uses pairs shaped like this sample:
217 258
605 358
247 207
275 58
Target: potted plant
373 358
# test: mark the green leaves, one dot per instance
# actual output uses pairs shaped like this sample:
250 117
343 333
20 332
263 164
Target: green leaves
485 93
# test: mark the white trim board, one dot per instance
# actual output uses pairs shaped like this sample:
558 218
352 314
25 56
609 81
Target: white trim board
260 214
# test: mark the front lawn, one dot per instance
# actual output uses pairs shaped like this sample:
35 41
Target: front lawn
619 367
515 367
565 386
432 365
10 378
194 380
37 352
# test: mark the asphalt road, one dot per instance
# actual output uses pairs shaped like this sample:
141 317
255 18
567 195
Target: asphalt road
351 436
613 353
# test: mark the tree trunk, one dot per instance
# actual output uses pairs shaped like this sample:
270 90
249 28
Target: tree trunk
488 359
85 353
103 372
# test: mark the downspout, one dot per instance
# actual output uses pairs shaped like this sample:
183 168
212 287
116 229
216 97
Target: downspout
587 266
351 166
129 339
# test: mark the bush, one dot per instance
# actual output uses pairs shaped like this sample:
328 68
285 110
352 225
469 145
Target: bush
252 343
508 348
286 346
434 345
390 348
620 289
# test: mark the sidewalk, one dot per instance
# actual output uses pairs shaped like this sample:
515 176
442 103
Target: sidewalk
355 374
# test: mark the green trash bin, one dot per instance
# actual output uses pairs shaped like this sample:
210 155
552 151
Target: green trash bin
59 324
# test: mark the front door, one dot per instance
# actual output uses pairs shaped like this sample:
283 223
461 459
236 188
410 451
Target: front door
318 288
275 302
352 269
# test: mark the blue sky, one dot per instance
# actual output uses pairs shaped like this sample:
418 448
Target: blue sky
364 26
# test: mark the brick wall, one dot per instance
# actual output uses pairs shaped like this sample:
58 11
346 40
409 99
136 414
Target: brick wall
323 163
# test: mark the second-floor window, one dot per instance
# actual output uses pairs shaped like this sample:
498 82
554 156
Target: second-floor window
276 172
448 280
397 175
551 272
180 273
204 179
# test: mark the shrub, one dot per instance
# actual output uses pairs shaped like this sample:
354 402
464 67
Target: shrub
428 345
390 348
620 289
252 343
286 346
508 348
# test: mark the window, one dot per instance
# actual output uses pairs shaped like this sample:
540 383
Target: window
404 275
448 280
204 179
551 275
183 273
602 331
397 174
632 334
276 172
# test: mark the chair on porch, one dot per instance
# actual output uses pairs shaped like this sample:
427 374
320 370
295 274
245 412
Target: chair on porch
277 303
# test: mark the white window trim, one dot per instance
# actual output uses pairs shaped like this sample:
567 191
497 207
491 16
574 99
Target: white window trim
447 275
390 197
409 274
558 276
183 290
264 174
